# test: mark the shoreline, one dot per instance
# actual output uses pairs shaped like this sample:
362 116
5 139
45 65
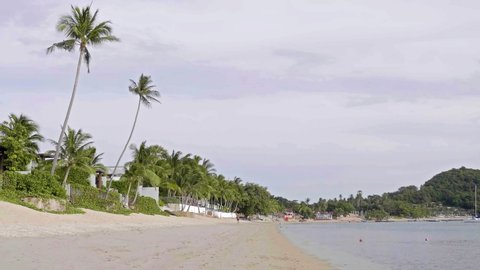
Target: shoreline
37 240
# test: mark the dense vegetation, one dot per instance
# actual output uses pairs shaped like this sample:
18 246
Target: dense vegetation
450 192
184 178
451 188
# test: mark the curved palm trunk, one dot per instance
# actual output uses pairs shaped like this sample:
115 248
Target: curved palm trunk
125 147
66 176
65 122
128 194
136 193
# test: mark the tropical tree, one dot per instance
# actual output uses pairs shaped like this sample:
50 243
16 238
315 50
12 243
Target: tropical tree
75 151
19 137
95 163
145 90
141 170
81 30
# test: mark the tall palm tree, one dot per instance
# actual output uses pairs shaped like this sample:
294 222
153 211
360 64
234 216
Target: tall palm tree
146 95
81 30
19 136
75 151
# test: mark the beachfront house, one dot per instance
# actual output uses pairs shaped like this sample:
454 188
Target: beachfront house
288 215
99 180
323 216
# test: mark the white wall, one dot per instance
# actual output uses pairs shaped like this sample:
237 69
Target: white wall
151 192
201 210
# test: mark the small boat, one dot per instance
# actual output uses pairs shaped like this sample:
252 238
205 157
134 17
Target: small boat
475 217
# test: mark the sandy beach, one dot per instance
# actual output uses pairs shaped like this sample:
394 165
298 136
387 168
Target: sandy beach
35 240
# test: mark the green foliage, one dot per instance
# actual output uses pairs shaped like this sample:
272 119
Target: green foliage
37 184
121 186
146 205
75 176
256 200
377 215
76 151
10 180
92 198
19 137
452 188
305 210
81 29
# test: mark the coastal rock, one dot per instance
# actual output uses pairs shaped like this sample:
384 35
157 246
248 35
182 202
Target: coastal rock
46 204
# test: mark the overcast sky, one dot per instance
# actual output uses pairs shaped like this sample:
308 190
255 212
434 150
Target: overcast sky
310 98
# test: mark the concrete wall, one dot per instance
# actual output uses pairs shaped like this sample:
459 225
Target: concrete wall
92 177
201 210
151 192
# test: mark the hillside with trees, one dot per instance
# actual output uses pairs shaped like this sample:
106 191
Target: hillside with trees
447 193
452 188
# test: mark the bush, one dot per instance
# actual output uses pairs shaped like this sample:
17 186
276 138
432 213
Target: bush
121 186
377 215
36 184
92 198
146 205
75 176
10 180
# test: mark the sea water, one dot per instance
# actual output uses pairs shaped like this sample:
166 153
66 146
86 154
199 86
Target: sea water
395 245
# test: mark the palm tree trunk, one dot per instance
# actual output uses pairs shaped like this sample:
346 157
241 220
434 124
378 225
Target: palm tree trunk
136 194
65 122
66 176
128 193
125 147
235 209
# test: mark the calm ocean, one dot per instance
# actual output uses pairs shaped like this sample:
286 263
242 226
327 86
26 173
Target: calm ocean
409 245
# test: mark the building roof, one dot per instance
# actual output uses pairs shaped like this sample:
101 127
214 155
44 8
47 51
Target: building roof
119 172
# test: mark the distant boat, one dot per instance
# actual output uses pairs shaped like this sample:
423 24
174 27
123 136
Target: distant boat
475 216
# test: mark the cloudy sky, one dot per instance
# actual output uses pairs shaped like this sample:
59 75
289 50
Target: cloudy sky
310 98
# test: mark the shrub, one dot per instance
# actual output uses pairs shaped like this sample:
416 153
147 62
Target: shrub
75 176
92 198
377 215
36 184
146 205
10 180
40 183
121 186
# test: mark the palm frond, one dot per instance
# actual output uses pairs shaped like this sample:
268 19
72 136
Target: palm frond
67 45
81 30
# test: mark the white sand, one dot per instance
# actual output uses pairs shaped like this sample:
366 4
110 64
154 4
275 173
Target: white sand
19 221
104 241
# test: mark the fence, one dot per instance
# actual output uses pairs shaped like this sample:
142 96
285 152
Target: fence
201 207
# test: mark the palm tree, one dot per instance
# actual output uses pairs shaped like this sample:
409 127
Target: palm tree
81 30
146 95
20 137
75 151
142 168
